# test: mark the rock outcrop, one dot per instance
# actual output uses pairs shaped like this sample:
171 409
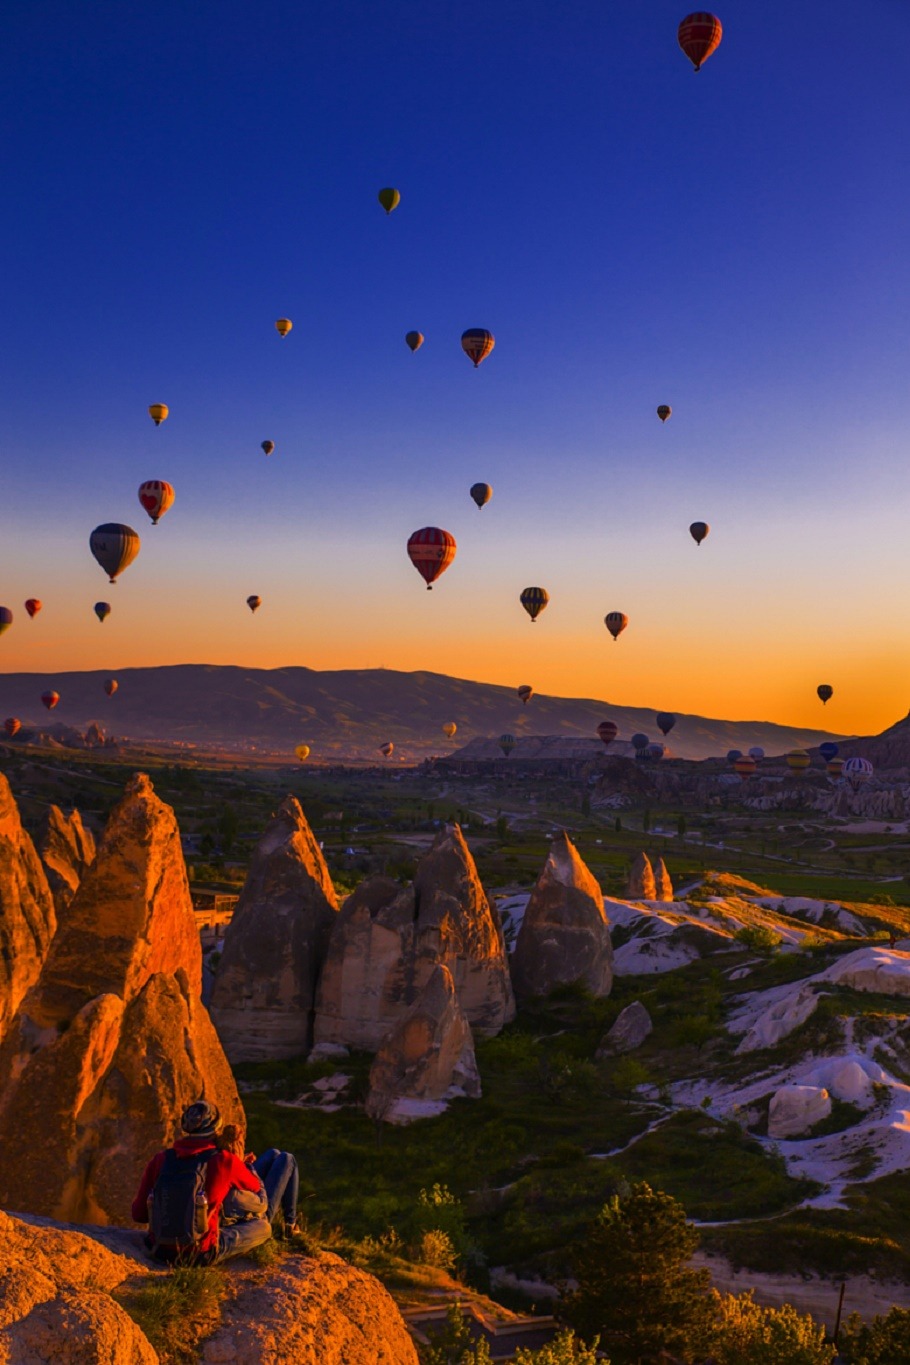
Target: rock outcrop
388 939
630 1029
663 887
428 1056
112 1042
67 851
565 935
641 880
265 986
797 1108
28 919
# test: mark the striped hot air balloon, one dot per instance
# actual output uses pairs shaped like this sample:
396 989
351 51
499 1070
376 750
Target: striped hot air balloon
699 35
115 546
607 732
798 760
526 693
431 551
835 767
6 619
506 744
50 699
156 496
534 600
744 767
12 725
477 343
857 771
389 199
616 622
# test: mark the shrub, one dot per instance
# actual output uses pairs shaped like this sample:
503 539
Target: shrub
565 1349
747 1334
435 1248
883 1341
758 937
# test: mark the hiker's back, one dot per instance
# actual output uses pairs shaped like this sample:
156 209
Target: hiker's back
178 1204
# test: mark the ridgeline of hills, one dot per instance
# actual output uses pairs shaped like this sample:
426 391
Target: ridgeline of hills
346 714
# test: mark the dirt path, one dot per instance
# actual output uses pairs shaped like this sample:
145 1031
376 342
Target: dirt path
807 1293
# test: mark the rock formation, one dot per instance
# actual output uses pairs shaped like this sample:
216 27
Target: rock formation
112 1042
797 1108
27 916
265 986
67 851
565 934
428 1056
387 940
663 887
641 880
629 1031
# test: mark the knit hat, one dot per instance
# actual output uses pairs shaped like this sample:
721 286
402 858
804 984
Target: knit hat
201 1119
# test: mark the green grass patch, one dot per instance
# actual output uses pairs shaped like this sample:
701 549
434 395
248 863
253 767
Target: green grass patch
177 1310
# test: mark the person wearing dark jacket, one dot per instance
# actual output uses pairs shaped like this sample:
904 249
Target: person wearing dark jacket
224 1172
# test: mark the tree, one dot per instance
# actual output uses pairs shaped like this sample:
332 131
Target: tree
635 1288
883 1341
747 1334
454 1345
564 1349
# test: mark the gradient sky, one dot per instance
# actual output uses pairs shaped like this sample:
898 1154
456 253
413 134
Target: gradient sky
733 243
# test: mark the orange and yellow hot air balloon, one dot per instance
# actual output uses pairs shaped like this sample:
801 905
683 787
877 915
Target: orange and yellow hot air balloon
156 496
699 35
158 413
477 343
283 326
449 729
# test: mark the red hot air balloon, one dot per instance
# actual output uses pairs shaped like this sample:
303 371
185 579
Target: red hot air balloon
607 732
699 35
744 767
33 606
431 551
156 496
50 699
111 686
477 343
12 725
526 693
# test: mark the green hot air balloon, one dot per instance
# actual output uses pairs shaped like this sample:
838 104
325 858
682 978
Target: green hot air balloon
389 199
115 546
506 744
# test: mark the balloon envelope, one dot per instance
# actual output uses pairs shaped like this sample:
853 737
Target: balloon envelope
414 340
665 721
640 741
607 732
111 686
526 693
699 35
156 497
102 610
656 752
283 326
481 493
6 619
387 749
303 752
389 199
664 411
825 692
828 750
616 622
534 600
268 447
507 744
757 752
50 699
158 413
449 729
744 767
33 606
477 343
698 530
115 546
857 771
733 755
835 767
254 602
12 725
798 760
431 551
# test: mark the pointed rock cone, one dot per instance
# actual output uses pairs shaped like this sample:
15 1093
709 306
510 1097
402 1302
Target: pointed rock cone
641 880
265 985
663 887
565 934
457 926
428 1057
67 851
28 919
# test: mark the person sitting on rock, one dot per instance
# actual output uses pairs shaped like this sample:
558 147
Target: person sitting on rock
182 1192
279 1183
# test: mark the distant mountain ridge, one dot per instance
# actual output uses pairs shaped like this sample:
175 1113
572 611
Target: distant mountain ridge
346 714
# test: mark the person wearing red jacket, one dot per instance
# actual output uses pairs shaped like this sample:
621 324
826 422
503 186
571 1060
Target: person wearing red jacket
201 1123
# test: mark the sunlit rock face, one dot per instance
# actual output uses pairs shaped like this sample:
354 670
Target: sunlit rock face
27 915
797 1108
565 935
67 851
428 1056
642 886
112 1042
663 887
264 991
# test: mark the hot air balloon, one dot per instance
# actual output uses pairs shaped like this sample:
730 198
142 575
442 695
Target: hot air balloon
303 752
268 447
744 767
828 750
640 742
12 725
477 343
115 546
534 600
156 497
414 340
664 411
616 622
856 771
655 752
607 732
526 693
757 752
431 551
506 744
449 729
6 619
387 749
389 199
254 602
158 413
698 530
825 693
665 721
283 326
50 699
102 610
835 768
33 606
699 35
798 760
481 493
733 755
111 686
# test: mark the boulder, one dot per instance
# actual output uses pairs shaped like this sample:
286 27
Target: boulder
429 1055
847 1080
28 919
663 887
112 1042
641 880
882 970
780 1019
67 851
629 1031
797 1108
565 935
264 991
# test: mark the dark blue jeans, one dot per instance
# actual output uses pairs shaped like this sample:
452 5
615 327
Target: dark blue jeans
278 1173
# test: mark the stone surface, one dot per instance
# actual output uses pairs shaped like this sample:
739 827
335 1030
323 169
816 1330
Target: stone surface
28 919
106 1050
564 935
312 1311
797 1108
780 1018
264 991
882 970
663 887
429 1055
67 851
641 880
629 1031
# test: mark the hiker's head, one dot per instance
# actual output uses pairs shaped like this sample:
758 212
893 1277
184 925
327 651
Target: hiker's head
201 1119
230 1139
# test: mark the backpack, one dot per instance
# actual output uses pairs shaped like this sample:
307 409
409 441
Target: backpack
178 1208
